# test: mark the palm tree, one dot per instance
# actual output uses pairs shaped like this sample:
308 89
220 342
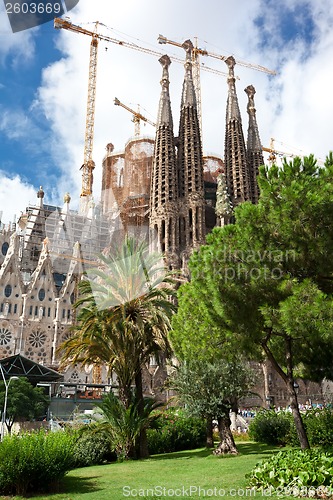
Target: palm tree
124 425
124 312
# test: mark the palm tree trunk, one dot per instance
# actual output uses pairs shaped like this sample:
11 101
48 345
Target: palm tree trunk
143 443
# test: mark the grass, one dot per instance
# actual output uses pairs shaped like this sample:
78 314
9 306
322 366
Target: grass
176 472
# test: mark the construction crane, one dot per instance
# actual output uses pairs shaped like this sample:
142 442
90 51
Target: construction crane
137 117
88 164
196 52
283 154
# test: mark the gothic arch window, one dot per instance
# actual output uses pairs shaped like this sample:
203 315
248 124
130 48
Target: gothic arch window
8 290
37 339
5 336
4 248
41 294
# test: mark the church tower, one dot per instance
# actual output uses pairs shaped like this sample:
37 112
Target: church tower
164 184
254 148
235 157
190 167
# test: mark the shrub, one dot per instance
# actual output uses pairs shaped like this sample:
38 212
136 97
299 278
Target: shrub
271 427
35 462
92 448
294 471
174 431
319 427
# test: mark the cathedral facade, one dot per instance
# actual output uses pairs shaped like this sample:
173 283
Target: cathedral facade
164 185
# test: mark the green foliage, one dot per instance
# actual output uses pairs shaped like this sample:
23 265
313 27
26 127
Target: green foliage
24 401
271 427
124 315
92 448
211 388
34 462
319 426
253 275
278 428
175 431
293 470
124 424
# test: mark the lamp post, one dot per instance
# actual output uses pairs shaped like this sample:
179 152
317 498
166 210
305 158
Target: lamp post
3 416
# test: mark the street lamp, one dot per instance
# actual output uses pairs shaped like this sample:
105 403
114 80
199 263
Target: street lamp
3 416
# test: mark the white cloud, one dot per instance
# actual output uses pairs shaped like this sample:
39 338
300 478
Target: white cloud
15 195
20 46
295 107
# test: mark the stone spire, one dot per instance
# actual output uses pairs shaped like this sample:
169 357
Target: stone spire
235 158
223 208
190 166
254 148
164 186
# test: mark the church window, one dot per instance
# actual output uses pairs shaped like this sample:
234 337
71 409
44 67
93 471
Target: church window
72 298
5 336
4 248
30 311
8 290
41 294
15 308
37 339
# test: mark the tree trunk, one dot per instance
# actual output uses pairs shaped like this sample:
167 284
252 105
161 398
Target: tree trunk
288 378
300 429
227 443
209 433
143 443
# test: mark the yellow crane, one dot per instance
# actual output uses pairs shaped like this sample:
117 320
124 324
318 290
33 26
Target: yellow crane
283 154
137 117
196 53
88 164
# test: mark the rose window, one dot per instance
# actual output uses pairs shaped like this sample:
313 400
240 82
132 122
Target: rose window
37 339
5 336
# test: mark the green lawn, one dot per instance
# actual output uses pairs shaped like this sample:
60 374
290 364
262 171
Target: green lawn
177 475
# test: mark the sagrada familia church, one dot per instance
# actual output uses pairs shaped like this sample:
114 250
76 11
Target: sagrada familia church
163 184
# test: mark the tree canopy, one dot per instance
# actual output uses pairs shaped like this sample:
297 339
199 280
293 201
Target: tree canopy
24 401
124 315
266 282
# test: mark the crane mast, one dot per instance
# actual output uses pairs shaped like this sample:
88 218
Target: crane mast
137 117
88 164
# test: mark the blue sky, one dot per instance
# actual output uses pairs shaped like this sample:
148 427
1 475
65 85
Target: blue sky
43 84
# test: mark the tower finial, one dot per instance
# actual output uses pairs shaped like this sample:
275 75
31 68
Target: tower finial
250 91
164 112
